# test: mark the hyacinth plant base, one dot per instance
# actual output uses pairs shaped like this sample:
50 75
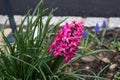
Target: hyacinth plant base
104 64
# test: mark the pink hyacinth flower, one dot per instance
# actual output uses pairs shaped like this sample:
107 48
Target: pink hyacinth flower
67 40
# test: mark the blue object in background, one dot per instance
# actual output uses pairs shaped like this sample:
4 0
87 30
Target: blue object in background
97 28
84 34
11 38
104 24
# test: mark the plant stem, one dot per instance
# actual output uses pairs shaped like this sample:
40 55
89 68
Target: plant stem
103 34
55 65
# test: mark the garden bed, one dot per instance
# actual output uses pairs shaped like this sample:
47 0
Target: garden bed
51 52
104 64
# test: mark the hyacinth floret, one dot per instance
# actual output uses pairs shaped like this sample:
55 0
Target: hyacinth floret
67 40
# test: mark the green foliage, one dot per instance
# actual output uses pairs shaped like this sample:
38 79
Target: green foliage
117 76
27 58
116 44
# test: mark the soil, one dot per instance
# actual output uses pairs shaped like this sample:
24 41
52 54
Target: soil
108 62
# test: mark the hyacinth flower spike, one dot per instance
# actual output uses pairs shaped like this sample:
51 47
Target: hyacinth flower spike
84 34
104 24
67 41
97 28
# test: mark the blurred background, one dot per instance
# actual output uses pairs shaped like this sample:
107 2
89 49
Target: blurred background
84 8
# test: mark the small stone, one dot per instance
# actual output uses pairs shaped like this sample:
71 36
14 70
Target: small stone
112 67
68 69
88 58
76 64
106 60
101 55
87 67
117 58
109 75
